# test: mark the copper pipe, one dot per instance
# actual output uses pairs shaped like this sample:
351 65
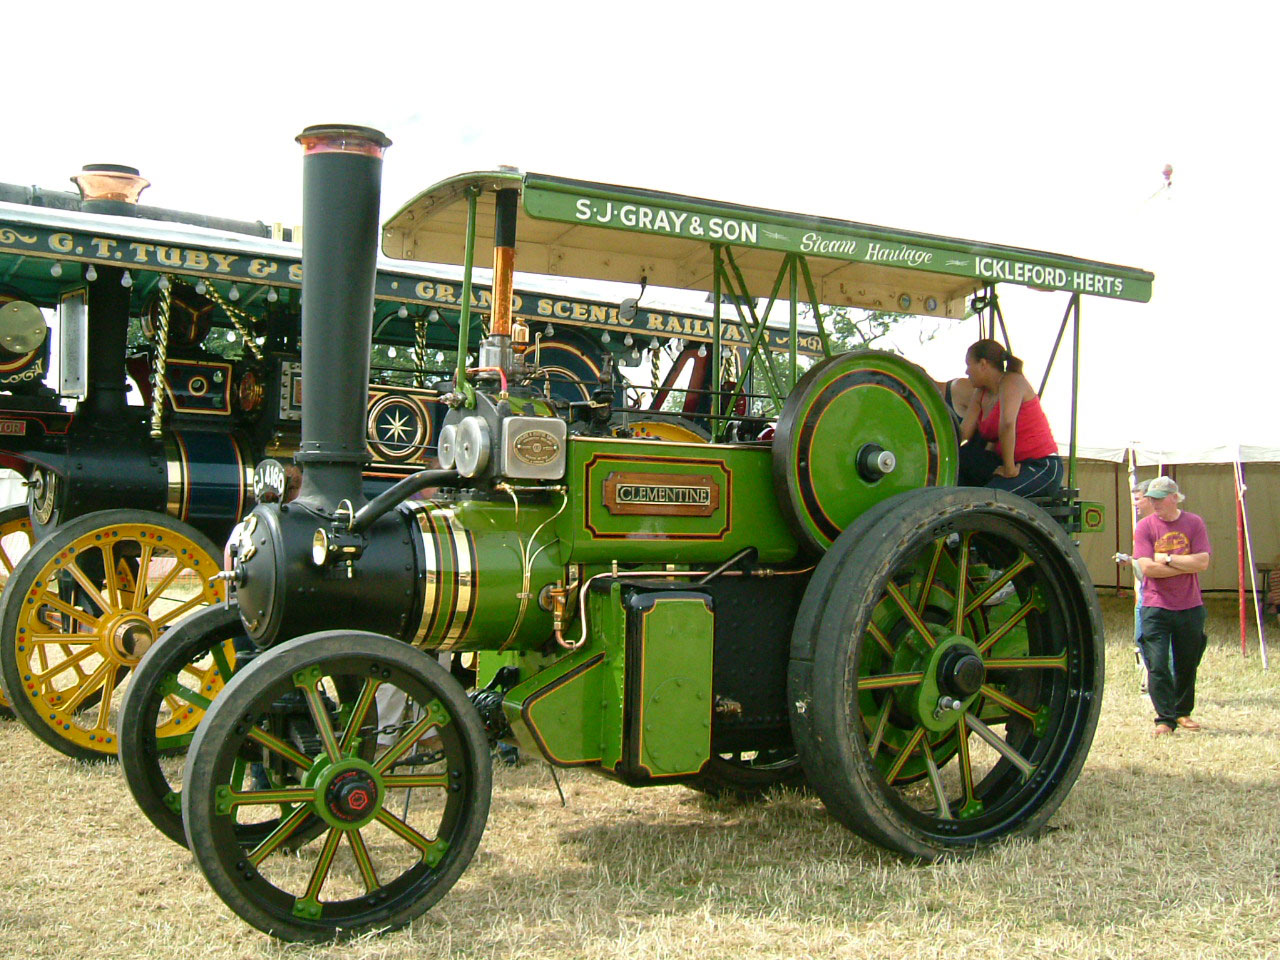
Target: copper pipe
502 374
504 261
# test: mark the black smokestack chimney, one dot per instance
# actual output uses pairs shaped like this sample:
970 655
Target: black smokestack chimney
113 189
341 184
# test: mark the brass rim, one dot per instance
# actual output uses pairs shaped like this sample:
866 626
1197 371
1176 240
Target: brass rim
92 611
15 540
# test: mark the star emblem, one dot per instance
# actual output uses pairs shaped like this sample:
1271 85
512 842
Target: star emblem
395 427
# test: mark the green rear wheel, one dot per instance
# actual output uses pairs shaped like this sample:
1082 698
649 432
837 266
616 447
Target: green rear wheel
948 694
401 821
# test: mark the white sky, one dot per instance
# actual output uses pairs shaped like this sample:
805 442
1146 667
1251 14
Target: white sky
1039 125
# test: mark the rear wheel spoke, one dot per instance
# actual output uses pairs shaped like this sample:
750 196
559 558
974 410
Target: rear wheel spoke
997 743
939 550
962 583
1006 701
277 838
878 636
904 754
881 724
885 680
909 612
320 718
935 780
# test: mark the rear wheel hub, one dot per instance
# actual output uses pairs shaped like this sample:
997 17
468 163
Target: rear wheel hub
961 672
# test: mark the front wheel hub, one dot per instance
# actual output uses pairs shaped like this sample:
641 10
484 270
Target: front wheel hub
348 794
352 795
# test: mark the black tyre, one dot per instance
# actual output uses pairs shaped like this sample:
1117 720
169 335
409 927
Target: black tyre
381 861
15 540
935 708
171 688
750 775
81 609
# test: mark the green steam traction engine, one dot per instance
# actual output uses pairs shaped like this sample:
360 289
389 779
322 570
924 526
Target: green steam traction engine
812 597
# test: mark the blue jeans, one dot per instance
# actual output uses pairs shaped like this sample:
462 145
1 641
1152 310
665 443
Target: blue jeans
1037 477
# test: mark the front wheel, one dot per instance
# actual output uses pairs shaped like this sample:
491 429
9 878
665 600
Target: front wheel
400 822
950 689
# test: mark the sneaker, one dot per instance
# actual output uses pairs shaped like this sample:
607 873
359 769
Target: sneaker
1162 730
1186 723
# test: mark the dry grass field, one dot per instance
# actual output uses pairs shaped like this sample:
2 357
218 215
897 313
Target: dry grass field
1165 849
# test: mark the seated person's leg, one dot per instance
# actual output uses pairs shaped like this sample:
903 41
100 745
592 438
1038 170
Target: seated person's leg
1036 478
977 463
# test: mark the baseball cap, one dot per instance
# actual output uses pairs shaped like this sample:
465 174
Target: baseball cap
1162 487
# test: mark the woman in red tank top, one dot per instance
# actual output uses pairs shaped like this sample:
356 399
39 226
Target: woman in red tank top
1007 415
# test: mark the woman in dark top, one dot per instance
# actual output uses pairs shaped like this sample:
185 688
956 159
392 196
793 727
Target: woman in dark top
1006 414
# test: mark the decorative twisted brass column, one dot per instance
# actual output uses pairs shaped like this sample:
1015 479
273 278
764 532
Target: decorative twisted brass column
420 352
162 358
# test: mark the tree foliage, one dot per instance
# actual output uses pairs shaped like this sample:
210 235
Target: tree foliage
851 328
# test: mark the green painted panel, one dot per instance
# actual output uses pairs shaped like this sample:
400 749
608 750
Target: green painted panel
671 698
746 511
688 218
608 629
556 712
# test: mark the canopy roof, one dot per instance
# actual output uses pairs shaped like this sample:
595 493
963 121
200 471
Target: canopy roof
604 232
44 251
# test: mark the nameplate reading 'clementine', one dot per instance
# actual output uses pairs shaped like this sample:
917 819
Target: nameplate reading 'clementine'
661 494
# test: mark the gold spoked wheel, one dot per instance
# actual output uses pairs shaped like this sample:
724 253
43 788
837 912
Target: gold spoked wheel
81 609
15 540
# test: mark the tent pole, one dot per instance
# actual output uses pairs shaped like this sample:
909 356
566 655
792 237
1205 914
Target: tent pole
1248 546
1137 576
1240 559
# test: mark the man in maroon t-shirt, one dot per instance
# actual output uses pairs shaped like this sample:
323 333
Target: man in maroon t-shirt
1172 548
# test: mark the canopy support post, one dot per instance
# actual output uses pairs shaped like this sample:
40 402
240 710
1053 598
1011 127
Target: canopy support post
714 378
464 318
1075 385
998 314
754 325
817 311
1053 354
795 324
